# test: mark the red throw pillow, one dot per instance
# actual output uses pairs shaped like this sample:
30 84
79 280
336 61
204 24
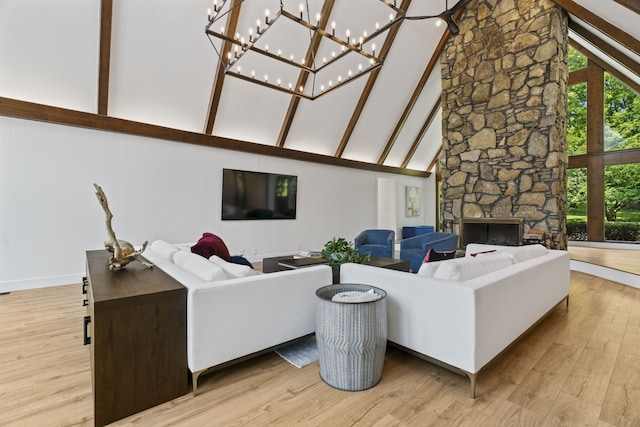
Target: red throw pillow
210 244
434 255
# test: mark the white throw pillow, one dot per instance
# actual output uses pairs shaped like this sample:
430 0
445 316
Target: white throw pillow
164 249
199 266
235 270
428 269
467 268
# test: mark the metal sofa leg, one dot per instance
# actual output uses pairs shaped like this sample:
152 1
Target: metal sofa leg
472 378
194 380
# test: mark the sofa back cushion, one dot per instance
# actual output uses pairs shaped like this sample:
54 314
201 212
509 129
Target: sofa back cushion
467 268
198 266
164 249
519 253
428 269
523 253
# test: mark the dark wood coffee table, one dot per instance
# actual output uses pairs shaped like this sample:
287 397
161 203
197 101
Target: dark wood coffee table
270 265
295 263
390 263
288 262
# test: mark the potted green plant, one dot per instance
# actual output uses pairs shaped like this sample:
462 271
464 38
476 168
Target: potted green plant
339 251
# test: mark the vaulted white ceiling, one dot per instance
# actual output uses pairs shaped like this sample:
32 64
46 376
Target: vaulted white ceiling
162 71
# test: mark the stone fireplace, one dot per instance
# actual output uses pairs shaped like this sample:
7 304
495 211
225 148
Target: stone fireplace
504 81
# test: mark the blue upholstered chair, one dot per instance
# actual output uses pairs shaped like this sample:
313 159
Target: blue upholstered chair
415 248
416 230
376 242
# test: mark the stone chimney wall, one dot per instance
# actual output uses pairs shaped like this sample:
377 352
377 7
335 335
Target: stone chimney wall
504 81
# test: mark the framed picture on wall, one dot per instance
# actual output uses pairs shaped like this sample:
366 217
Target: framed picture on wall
412 201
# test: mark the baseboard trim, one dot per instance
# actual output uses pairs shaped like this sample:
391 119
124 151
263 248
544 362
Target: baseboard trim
627 246
41 282
612 274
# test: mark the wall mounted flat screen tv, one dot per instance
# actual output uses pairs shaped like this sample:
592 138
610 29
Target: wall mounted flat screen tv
256 195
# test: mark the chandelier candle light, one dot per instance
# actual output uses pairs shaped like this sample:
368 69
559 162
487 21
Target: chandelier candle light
238 47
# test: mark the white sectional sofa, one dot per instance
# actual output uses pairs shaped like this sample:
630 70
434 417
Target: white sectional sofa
234 312
462 313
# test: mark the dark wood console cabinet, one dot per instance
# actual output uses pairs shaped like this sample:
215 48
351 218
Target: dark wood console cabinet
137 332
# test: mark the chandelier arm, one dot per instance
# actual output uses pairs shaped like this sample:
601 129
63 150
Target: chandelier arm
313 54
296 92
445 15
216 16
415 18
457 6
229 55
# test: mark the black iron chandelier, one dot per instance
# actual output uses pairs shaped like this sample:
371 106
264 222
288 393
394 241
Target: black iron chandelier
308 73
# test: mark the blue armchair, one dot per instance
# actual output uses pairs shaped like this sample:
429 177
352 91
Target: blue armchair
415 248
376 242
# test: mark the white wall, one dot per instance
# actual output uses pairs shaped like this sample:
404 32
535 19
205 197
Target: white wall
387 209
49 215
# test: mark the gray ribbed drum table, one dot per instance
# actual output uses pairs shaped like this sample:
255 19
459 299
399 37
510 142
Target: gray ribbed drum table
351 337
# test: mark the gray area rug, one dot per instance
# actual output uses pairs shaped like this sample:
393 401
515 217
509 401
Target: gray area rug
300 353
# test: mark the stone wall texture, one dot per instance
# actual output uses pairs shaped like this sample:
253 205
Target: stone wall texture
504 81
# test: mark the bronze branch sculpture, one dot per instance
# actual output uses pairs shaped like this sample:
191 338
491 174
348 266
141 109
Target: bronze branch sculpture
123 251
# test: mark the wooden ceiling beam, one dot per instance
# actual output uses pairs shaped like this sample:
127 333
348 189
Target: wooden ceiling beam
327 7
615 54
423 131
434 161
218 82
62 116
599 23
371 81
432 63
630 4
435 59
604 65
106 22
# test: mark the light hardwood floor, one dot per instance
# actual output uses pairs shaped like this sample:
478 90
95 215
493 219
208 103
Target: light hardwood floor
577 367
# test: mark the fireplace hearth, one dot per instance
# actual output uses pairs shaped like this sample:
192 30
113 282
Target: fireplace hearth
492 231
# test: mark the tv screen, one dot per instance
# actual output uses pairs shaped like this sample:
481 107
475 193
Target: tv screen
258 195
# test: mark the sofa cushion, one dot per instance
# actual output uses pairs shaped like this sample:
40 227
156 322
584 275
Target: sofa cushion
428 269
210 244
519 253
164 249
467 268
199 266
235 270
523 253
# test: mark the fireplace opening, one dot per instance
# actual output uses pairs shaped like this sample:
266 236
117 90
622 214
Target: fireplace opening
491 231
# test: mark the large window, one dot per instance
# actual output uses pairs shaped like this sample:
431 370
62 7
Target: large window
621 115
603 139
577 119
577 204
575 60
622 202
